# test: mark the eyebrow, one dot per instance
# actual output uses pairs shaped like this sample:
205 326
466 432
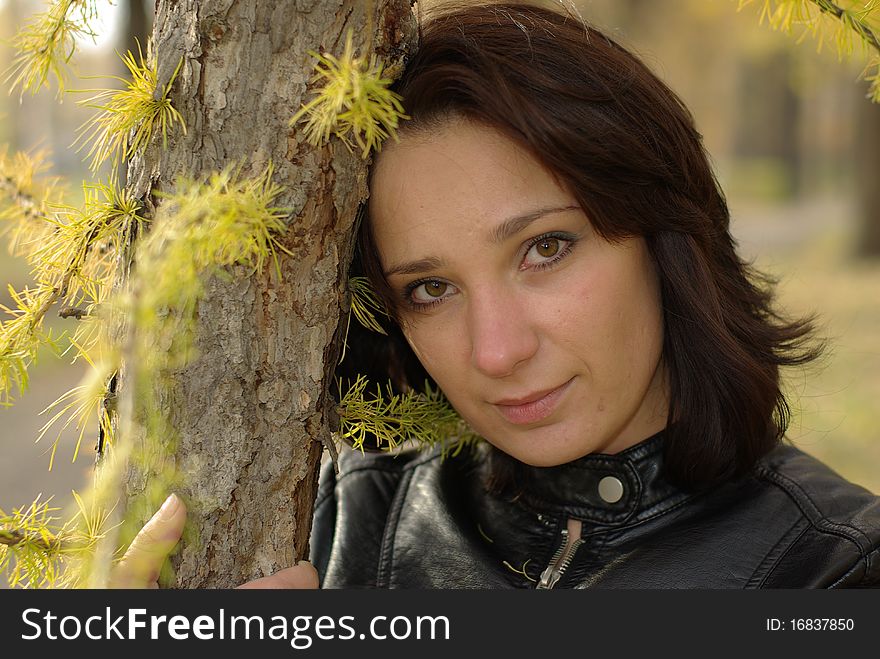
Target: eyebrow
510 227
416 267
514 225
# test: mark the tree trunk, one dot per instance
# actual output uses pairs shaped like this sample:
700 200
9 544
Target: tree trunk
252 409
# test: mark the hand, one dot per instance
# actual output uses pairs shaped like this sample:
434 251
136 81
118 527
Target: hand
302 575
139 567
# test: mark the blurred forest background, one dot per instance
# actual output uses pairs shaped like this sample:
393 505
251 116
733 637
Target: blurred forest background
795 144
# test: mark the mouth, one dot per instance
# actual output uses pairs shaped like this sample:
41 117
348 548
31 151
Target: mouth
533 407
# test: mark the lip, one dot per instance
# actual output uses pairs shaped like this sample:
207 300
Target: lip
532 408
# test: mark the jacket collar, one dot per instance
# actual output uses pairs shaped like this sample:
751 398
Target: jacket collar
606 489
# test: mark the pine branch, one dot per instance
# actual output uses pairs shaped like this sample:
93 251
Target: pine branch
365 305
354 103
59 291
67 266
20 340
26 194
13 537
783 15
34 549
46 45
24 202
74 312
128 118
853 20
391 419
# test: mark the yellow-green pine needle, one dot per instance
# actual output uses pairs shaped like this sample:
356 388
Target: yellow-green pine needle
21 336
79 256
826 21
128 118
82 533
74 262
29 545
26 195
35 547
521 571
83 403
835 22
44 46
354 102
872 75
200 230
426 419
365 305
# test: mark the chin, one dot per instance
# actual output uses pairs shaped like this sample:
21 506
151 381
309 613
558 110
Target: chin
550 460
545 446
541 452
539 461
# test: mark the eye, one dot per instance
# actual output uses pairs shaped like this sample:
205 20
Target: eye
544 251
426 293
434 288
548 247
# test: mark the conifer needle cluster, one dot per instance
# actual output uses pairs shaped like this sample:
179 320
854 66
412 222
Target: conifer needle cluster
72 262
201 229
128 118
365 305
389 419
354 102
27 195
35 547
45 46
847 25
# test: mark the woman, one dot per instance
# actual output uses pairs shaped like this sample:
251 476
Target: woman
554 250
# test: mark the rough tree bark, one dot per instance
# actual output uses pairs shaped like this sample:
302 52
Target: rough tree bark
252 410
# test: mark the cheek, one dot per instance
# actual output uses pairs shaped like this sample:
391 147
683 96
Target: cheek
641 331
613 320
579 314
435 347
648 310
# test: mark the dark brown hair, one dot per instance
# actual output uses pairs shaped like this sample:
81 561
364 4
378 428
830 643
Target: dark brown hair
627 148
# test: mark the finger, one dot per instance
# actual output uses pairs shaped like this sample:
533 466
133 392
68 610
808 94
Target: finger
303 575
139 567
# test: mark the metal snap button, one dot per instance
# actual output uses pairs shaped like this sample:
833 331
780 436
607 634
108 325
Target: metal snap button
610 489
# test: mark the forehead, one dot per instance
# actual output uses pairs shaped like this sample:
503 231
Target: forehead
461 175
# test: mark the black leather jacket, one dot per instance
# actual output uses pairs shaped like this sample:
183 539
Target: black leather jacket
416 521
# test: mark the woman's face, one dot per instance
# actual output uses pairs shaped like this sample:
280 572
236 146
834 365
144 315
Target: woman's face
545 337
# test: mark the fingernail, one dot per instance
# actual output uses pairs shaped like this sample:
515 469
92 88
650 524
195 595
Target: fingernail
304 563
172 503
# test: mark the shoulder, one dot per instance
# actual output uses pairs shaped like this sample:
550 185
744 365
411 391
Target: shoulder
354 508
832 526
356 471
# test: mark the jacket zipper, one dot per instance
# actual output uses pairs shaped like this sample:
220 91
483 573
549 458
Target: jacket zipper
571 540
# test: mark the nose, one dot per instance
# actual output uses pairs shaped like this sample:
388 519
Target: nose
502 336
